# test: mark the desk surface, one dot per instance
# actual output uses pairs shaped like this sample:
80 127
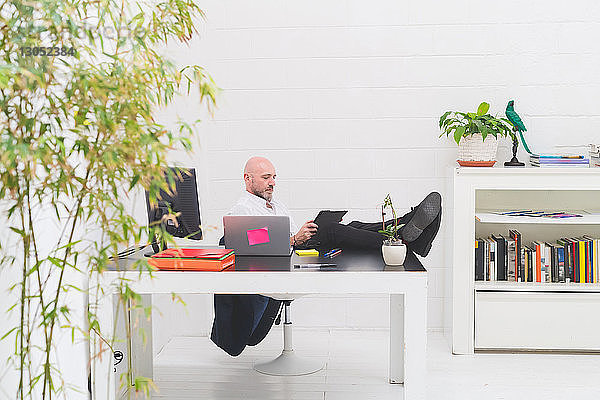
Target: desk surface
347 261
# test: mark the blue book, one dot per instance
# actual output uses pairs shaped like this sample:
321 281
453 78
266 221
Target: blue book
565 161
556 156
560 252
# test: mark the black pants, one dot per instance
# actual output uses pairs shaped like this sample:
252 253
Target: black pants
365 235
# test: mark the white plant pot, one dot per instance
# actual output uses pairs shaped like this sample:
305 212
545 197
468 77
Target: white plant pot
393 254
474 148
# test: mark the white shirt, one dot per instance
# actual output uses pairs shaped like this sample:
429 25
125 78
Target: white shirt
251 204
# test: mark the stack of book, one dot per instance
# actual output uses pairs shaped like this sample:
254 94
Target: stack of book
595 155
537 160
500 258
193 260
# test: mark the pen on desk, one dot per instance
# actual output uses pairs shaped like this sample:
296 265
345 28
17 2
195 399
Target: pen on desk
335 253
330 252
315 265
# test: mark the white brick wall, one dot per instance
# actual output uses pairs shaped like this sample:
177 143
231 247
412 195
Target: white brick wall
344 97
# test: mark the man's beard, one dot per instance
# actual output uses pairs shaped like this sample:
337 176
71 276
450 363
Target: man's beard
264 194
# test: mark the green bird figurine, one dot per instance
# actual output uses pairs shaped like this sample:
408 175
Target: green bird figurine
513 117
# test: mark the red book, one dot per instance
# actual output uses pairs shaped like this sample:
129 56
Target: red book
588 262
193 259
538 263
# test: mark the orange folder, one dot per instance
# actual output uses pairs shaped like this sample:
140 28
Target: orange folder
193 259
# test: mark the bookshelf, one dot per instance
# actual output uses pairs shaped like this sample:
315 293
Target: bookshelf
500 315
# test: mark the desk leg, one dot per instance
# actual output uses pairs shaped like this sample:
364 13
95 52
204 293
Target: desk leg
102 375
141 341
396 338
415 341
137 354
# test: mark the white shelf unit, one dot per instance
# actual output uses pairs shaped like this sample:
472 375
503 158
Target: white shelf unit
500 286
522 316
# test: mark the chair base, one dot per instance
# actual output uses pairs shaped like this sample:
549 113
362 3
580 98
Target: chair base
289 364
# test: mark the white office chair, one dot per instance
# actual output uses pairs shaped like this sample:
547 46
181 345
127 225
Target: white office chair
288 363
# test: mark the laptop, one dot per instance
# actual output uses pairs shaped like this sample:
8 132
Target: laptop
257 235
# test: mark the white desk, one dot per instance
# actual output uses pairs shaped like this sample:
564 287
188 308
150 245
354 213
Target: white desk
408 309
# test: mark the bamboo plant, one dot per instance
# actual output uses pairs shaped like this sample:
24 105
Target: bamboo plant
80 82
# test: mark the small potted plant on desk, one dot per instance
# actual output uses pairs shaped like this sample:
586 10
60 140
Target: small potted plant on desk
393 248
476 135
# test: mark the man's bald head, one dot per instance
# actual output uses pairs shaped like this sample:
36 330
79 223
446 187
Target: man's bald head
256 164
259 177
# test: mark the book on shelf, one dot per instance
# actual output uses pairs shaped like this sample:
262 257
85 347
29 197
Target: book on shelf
527 272
516 236
539 277
560 260
501 258
595 155
511 250
578 164
558 160
581 256
591 259
567 260
556 156
479 262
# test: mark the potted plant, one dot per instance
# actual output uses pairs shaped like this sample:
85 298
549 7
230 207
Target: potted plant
470 131
393 248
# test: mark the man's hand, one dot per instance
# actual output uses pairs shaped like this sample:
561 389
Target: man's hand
306 232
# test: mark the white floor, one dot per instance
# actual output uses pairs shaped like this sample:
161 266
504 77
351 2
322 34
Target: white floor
356 368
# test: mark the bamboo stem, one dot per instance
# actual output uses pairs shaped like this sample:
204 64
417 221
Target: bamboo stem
47 377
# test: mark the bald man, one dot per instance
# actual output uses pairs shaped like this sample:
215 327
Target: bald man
259 177
242 320
420 225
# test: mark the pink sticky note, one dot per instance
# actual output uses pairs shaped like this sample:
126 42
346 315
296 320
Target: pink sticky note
258 236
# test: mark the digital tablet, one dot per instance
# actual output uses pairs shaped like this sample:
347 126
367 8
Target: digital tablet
327 217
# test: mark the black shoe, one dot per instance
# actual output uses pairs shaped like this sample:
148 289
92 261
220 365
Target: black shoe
424 214
422 245
422 251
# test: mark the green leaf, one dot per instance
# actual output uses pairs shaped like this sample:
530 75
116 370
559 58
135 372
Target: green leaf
460 131
56 262
134 181
8 333
483 108
5 73
18 231
443 117
144 385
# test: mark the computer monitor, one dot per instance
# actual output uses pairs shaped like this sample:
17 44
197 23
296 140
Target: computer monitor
178 213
